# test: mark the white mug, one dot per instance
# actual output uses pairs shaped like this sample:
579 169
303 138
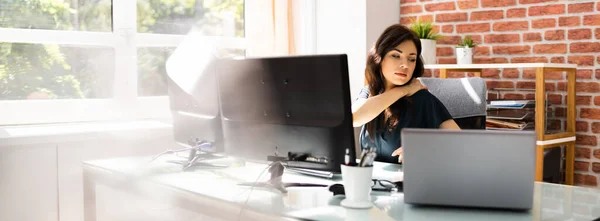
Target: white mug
357 186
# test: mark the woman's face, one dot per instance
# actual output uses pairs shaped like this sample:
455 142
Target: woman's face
399 64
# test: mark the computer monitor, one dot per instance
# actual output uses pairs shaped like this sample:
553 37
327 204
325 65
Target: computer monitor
294 109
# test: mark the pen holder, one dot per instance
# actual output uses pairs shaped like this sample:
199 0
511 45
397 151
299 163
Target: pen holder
357 186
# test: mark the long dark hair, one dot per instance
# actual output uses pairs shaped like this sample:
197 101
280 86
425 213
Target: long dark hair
389 39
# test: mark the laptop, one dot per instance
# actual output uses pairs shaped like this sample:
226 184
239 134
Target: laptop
469 168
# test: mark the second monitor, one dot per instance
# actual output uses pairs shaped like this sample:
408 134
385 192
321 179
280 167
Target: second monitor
293 109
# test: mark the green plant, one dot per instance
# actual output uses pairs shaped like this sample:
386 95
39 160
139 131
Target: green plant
467 42
424 30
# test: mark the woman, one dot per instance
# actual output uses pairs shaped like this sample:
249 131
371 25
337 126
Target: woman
393 98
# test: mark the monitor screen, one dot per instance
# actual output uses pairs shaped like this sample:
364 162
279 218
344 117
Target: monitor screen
297 108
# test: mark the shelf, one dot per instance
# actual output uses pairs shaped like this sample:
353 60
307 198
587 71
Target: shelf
502 65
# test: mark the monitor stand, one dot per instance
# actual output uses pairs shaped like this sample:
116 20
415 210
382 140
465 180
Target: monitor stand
195 157
276 169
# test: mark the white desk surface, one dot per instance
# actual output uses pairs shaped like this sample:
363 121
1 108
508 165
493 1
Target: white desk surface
502 65
218 188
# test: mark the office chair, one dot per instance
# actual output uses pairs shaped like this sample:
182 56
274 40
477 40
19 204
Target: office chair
466 100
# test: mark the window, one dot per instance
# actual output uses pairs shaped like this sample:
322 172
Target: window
85 60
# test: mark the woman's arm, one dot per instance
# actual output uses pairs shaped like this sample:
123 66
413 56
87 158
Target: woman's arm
364 110
449 124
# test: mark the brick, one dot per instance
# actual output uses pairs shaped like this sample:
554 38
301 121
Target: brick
482 51
588 140
582 166
501 38
427 73
529 73
510 73
444 6
583 100
590 113
550 49
555 75
456 75
581 60
530 96
500 84
524 49
598 6
557 60
581 7
550 86
579 34
554 125
511 96
408 1
553 98
408 20
598 70
470 28
546 10
487 15
445 51
562 86
597 32
452 40
529 60
534 1
497 3
596 167
532 37
447 61
583 152
597 153
591 19
569 21
411 9
451 17
597 100
426 18
489 60
584 74
553 35
526 84
586 179
581 126
584 47
491 73
516 13
543 23
590 180
467 4
592 87
511 26
448 28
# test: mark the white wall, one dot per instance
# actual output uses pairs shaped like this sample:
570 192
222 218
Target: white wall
351 27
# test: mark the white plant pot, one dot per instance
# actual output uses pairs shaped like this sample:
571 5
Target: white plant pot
464 55
428 51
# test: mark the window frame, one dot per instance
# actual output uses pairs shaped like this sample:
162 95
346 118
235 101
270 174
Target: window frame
125 104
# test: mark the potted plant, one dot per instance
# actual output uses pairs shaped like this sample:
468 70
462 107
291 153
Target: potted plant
464 51
428 40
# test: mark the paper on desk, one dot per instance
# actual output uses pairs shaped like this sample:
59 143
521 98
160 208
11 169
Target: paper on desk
385 171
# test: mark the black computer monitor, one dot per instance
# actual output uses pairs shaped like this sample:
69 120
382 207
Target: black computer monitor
294 109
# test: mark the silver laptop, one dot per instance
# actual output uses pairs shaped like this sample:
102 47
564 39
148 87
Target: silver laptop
469 168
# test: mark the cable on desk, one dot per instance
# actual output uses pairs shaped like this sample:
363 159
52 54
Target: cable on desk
251 188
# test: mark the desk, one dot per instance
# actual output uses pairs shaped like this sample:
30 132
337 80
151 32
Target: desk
544 140
215 194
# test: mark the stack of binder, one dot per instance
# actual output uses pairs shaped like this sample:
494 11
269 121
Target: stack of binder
511 115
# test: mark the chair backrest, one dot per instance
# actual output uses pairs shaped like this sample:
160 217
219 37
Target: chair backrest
465 99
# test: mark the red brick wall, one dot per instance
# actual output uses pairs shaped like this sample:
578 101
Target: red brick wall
519 31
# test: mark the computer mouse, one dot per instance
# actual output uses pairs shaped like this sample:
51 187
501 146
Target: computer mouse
337 189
